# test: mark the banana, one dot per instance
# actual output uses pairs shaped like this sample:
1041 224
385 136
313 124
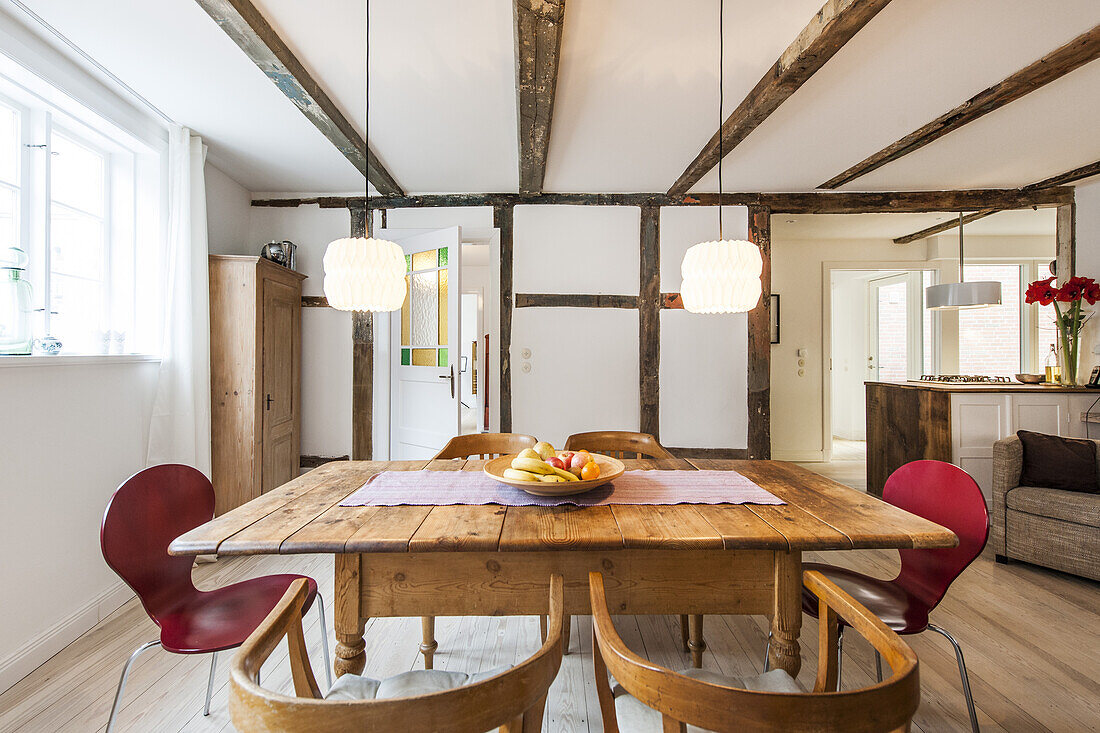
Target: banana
516 475
532 465
564 475
551 479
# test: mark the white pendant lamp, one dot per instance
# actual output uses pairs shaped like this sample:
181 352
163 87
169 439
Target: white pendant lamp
365 274
722 276
962 295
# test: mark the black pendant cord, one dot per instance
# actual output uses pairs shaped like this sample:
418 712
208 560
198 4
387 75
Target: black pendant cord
721 91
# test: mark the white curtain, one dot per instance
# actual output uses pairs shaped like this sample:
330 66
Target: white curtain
180 427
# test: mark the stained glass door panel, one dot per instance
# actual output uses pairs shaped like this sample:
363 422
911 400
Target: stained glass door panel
424 386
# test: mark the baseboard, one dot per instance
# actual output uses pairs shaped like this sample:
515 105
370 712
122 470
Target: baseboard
35 652
799 456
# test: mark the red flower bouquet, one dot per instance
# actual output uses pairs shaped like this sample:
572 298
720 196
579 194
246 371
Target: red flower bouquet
1075 292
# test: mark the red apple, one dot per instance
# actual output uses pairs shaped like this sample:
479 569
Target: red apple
555 462
578 460
566 457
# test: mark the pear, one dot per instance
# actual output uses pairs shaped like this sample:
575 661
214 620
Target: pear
545 450
529 453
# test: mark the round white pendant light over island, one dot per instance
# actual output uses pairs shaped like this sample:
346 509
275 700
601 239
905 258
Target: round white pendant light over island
364 275
721 277
962 295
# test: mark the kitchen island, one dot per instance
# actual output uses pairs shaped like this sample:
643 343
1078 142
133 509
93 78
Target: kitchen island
958 423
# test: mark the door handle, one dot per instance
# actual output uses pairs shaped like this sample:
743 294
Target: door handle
268 402
451 377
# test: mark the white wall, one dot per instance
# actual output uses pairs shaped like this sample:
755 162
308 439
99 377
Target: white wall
228 213
848 353
1088 260
72 433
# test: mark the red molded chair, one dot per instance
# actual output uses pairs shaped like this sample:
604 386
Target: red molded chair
944 494
144 515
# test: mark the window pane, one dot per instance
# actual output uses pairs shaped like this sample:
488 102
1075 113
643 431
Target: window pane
1044 314
78 305
9 208
77 176
928 278
893 341
9 146
76 244
989 338
425 309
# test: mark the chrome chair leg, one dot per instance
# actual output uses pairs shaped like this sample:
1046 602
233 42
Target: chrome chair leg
839 654
210 684
963 675
878 665
767 651
122 680
324 638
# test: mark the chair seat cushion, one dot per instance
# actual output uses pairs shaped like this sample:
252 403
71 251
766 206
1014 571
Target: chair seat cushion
211 621
903 612
1068 506
633 715
407 684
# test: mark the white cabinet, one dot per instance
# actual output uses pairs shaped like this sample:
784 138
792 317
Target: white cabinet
979 419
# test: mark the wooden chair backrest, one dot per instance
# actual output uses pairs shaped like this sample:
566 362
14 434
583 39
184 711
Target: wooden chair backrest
886 706
512 701
486 445
618 444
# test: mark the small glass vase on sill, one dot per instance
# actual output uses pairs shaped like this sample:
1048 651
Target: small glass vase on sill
1069 319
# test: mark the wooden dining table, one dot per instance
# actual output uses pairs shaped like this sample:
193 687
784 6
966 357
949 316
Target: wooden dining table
487 560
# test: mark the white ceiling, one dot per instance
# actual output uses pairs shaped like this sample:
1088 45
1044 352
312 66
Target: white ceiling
1025 222
636 93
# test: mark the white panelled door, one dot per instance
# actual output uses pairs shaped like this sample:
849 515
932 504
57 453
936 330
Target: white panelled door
425 404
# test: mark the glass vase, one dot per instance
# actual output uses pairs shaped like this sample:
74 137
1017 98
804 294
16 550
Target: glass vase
1069 358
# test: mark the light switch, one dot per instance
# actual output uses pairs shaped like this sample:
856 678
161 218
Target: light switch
800 353
526 367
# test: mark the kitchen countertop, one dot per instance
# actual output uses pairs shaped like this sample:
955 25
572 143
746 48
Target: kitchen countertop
981 387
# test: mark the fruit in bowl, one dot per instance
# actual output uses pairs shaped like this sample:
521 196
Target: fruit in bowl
539 464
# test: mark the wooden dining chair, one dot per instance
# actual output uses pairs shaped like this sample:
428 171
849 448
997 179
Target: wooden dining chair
626 444
511 699
479 445
648 697
618 444
485 445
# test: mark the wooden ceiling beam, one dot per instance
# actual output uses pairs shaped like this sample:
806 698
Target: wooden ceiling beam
538 25
1056 64
828 31
1077 174
944 226
812 202
242 22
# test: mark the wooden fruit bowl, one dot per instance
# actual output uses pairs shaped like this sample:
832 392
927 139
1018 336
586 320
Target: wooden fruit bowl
610 469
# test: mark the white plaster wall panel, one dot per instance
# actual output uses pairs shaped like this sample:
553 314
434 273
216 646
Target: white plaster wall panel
584 371
576 249
476 217
684 226
72 434
1087 198
703 380
326 333
228 213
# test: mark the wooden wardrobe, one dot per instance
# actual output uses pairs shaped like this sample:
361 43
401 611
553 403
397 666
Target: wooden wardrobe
255 377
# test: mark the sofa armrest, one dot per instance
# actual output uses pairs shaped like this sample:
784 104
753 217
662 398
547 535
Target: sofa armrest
1008 463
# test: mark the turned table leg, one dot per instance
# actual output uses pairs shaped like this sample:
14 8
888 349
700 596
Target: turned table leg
428 644
349 622
787 613
696 644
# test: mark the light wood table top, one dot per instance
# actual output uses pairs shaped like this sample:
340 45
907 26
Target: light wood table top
304 516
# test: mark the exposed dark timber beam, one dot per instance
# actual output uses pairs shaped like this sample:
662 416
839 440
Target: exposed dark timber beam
759 342
362 364
503 219
832 27
649 321
571 300
1077 174
247 27
314 301
1054 65
812 202
539 26
944 226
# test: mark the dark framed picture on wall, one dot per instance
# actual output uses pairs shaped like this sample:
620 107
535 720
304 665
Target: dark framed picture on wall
775 317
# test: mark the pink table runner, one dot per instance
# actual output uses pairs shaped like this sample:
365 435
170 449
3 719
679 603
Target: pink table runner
439 488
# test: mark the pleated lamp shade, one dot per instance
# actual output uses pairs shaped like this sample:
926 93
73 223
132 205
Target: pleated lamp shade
364 275
721 277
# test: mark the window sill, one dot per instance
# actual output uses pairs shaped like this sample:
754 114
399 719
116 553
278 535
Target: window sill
40 360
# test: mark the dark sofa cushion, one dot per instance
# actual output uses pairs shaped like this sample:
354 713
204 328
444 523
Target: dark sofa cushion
1054 462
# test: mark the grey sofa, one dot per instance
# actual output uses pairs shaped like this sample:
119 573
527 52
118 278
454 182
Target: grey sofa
1049 527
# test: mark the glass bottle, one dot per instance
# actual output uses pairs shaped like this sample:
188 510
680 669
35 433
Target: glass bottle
1053 371
16 310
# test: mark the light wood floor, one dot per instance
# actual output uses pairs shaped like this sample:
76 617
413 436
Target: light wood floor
1031 637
